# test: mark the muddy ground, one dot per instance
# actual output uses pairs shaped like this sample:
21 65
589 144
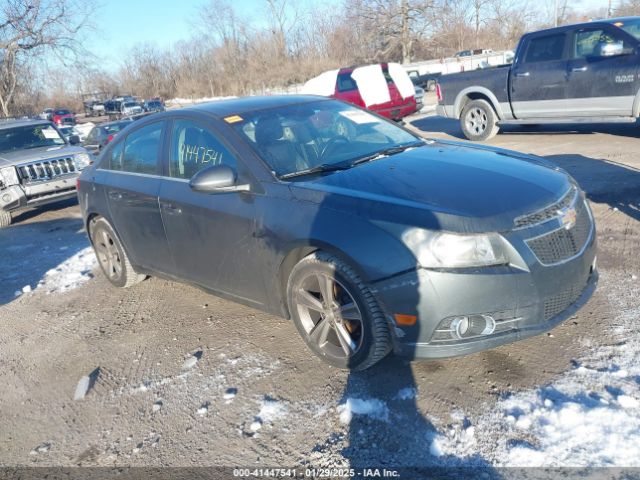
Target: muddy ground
256 396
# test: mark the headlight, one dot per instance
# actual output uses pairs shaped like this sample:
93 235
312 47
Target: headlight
82 160
9 176
449 250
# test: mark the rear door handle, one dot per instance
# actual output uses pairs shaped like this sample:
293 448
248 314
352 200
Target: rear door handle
522 74
115 195
579 69
171 208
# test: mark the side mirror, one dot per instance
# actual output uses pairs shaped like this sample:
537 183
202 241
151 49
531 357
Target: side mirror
74 140
611 49
216 179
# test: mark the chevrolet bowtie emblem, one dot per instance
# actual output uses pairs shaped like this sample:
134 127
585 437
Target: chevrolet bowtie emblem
568 217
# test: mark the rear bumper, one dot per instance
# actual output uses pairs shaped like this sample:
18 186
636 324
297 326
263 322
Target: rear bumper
18 197
523 303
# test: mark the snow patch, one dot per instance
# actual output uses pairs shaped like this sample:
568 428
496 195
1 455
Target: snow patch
70 274
589 417
374 408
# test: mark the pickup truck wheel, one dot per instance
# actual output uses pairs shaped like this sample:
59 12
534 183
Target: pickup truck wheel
479 121
5 219
336 313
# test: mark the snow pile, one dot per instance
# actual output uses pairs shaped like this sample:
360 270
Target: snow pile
589 417
70 274
270 411
374 408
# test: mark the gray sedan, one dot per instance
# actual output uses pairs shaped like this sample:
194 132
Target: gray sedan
368 237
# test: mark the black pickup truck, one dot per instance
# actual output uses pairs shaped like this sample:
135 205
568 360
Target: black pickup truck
583 73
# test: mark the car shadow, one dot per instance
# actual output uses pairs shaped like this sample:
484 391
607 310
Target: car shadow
29 250
604 181
398 435
451 127
52 207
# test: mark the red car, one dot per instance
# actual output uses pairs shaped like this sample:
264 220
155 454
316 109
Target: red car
399 107
64 117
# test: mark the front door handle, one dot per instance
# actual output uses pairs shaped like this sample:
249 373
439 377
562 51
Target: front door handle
578 69
522 74
115 195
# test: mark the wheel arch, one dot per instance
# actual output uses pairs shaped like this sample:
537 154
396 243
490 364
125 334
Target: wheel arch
300 251
477 93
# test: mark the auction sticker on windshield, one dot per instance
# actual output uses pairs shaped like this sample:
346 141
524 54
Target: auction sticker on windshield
357 116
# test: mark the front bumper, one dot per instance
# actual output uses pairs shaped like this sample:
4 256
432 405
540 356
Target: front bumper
18 197
537 299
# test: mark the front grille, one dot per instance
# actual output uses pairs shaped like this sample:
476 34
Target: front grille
547 213
45 170
558 303
564 243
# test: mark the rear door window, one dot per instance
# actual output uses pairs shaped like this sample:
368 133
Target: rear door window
194 147
546 49
140 153
346 83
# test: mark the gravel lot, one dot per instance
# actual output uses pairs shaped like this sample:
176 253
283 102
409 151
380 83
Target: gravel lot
179 377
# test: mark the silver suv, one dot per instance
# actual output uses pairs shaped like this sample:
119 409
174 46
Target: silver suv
37 166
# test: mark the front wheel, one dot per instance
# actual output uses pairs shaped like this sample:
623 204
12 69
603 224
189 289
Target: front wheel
479 121
336 313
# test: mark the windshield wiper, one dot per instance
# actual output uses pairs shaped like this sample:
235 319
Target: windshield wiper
318 169
385 153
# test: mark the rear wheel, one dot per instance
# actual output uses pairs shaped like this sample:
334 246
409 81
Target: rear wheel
111 256
479 121
336 313
5 219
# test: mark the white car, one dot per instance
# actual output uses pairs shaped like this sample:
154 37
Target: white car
131 108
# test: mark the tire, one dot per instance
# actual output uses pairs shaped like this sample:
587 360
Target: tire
111 256
479 121
5 219
355 341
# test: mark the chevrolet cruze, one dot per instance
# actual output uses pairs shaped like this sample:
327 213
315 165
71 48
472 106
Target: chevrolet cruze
367 236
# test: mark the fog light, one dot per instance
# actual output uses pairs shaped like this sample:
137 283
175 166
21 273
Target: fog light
6 198
473 326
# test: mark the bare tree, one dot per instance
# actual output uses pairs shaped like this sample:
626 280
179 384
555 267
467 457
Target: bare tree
30 29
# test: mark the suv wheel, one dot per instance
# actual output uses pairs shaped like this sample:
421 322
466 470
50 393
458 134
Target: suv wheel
5 219
478 121
111 256
336 313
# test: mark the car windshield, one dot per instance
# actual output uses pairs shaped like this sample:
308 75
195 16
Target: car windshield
115 127
319 136
130 104
62 112
630 26
21 138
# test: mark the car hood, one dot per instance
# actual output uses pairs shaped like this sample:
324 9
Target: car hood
31 155
442 185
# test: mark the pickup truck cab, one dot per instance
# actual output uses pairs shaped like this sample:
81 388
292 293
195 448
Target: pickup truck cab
583 73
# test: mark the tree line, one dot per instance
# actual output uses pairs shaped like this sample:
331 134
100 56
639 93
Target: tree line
281 44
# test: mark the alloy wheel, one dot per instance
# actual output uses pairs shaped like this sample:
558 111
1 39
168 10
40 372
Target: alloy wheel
329 315
476 120
108 254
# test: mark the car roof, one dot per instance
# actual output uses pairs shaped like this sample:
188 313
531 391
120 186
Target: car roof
608 21
238 106
12 123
